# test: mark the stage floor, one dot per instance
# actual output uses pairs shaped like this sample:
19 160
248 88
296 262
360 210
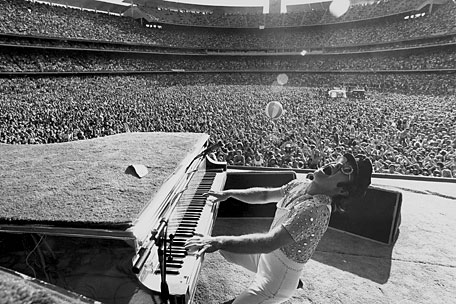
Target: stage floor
419 268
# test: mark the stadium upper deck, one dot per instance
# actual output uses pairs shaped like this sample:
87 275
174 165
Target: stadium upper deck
300 15
26 18
165 12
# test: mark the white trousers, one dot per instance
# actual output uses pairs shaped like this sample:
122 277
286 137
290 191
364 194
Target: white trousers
276 276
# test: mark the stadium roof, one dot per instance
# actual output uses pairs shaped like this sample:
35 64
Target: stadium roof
252 6
211 6
118 7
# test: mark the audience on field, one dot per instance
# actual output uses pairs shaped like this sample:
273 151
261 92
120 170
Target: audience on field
403 134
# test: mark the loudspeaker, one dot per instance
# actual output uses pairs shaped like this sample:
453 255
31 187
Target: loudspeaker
243 180
376 216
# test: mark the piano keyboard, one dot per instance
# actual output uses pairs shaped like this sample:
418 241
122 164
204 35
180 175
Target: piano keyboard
192 214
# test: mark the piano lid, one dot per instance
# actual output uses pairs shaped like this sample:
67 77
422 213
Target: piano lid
83 185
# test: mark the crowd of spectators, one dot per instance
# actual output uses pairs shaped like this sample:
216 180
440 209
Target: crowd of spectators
42 41
27 18
406 124
47 60
404 134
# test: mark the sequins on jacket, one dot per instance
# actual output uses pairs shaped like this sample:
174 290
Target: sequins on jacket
305 217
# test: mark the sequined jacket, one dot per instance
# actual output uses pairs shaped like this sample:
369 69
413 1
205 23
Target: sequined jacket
304 216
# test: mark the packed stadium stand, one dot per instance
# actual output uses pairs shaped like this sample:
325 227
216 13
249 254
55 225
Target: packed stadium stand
74 73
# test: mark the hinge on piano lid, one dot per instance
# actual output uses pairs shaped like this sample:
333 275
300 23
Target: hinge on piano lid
213 165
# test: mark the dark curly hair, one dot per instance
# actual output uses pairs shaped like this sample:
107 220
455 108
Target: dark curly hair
338 202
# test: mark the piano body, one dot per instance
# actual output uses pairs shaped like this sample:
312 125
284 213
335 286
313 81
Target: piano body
104 246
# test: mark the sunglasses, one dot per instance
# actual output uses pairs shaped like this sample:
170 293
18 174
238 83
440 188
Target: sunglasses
344 167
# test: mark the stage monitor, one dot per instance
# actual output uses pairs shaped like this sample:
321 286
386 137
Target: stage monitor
375 216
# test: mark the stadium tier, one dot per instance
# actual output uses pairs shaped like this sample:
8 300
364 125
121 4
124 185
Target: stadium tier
26 17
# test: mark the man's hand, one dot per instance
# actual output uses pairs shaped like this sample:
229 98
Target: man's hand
201 243
220 196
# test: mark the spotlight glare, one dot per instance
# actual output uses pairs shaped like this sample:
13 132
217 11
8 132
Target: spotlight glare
339 7
282 79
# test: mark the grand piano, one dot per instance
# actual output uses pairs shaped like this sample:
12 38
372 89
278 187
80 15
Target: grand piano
107 218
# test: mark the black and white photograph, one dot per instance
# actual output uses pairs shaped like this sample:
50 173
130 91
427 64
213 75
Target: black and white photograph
227 151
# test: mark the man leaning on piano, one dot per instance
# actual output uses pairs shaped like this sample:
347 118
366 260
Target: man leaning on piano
302 217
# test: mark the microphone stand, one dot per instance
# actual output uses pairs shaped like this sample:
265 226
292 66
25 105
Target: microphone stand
164 290
144 252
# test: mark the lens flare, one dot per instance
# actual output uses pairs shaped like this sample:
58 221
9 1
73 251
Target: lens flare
276 87
339 7
282 79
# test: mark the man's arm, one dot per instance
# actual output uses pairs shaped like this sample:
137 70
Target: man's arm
248 243
256 195
257 242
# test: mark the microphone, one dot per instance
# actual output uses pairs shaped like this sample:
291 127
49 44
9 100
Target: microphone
213 147
206 151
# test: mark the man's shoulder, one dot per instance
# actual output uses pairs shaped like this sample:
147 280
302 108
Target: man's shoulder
312 205
301 181
322 199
